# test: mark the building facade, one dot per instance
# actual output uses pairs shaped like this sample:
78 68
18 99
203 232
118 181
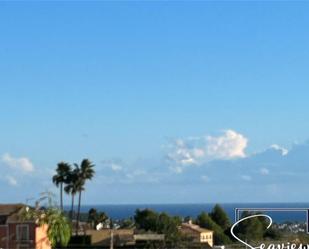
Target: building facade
17 234
197 234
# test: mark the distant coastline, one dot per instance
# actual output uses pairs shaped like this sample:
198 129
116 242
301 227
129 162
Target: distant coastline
121 211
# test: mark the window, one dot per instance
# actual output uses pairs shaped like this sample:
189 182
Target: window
22 232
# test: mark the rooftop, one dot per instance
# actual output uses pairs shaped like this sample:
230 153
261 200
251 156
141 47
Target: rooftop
195 228
9 212
8 209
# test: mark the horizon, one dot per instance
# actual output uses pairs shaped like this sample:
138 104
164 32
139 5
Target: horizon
172 101
208 203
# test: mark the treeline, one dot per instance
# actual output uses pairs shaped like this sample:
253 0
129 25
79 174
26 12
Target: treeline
255 229
162 223
217 220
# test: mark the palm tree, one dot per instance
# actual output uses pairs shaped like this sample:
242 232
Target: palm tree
62 172
85 172
72 187
92 217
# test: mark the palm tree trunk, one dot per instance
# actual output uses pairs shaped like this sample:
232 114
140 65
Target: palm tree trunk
78 211
61 196
72 206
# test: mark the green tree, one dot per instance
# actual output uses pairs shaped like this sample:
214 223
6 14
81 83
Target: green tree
92 217
72 188
205 221
95 217
62 172
273 233
251 229
127 223
101 218
84 172
219 216
161 223
58 226
146 219
187 219
169 226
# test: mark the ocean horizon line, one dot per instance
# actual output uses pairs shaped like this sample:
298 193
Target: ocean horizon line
191 203
121 211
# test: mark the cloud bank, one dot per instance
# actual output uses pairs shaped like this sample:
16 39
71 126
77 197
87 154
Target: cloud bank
188 166
283 151
197 150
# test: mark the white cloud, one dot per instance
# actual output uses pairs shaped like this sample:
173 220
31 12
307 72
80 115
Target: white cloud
205 178
11 180
196 150
182 153
246 178
117 171
264 171
283 151
22 163
116 167
177 169
230 145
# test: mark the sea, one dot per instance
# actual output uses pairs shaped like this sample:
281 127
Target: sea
122 211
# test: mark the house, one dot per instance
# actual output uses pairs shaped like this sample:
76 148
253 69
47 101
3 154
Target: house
148 237
196 233
105 237
121 237
18 234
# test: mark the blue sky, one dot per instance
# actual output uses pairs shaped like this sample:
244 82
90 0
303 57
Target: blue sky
159 91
